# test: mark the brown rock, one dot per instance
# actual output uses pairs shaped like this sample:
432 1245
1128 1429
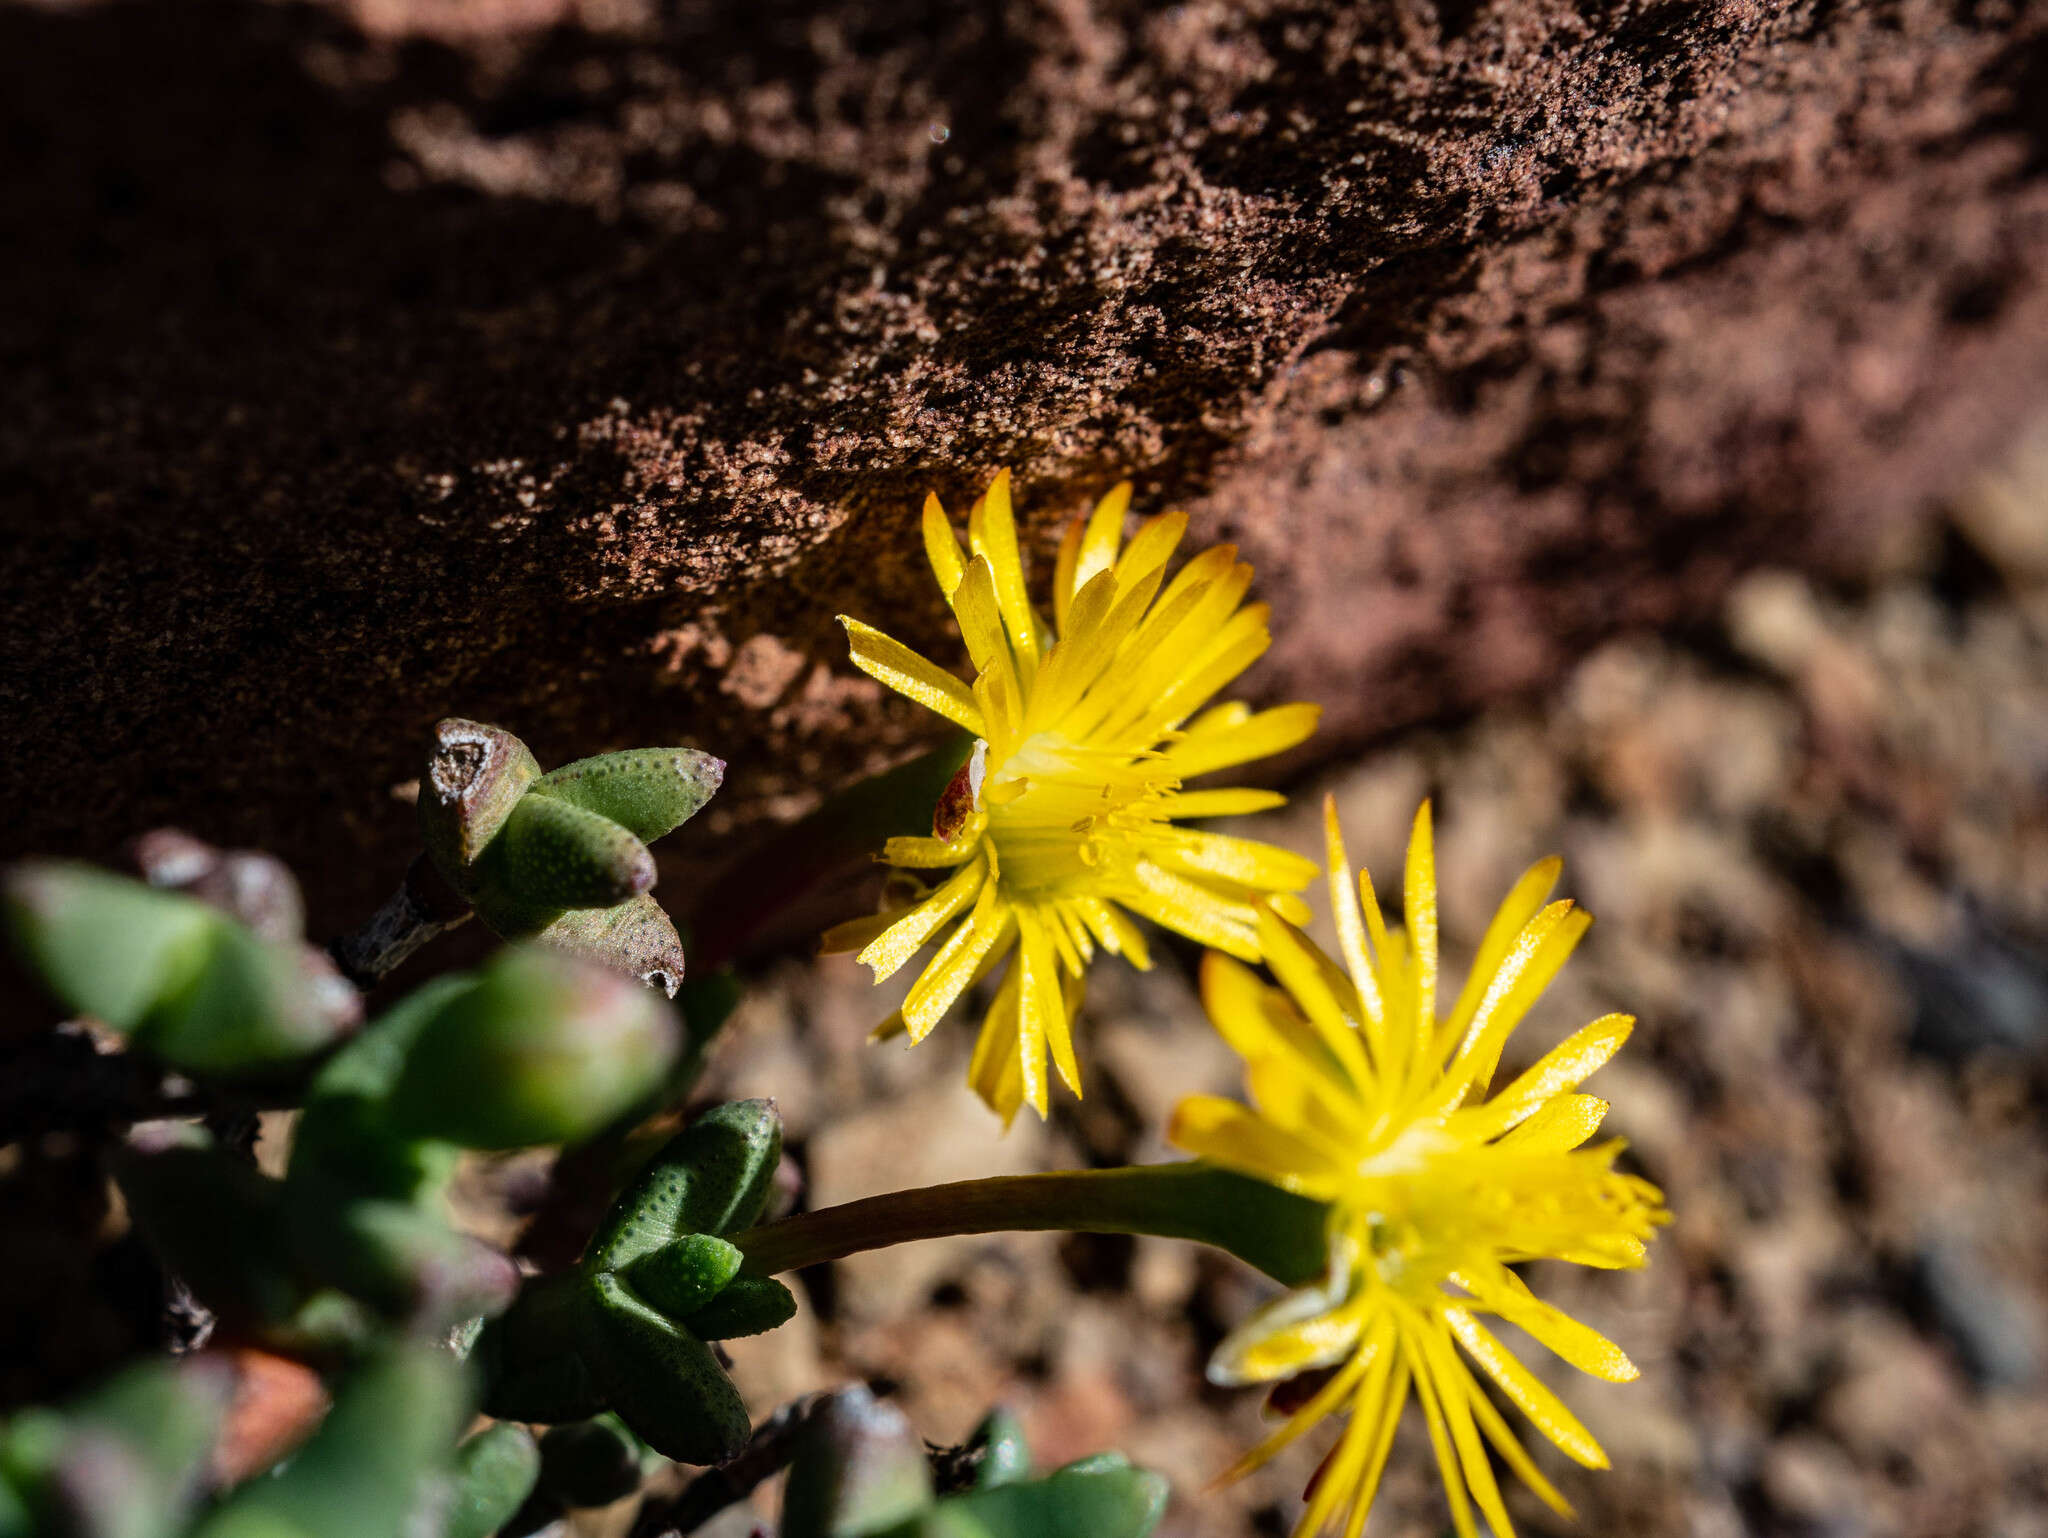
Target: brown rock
570 363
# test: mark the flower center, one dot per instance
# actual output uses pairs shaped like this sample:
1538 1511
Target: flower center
1062 813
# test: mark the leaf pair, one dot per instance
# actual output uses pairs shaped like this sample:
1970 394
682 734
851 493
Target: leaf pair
205 993
629 1328
562 857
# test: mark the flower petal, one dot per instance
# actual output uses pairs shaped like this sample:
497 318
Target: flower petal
892 663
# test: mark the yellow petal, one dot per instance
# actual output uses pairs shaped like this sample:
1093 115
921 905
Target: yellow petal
1455 1392
1417 1354
1558 1070
1542 947
1325 1399
1233 1136
934 853
1523 902
994 1072
1516 1456
892 663
1350 919
903 939
1295 1333
968 953
1224 803
1581 1345
1105 533
1064 566
1232 734
1042 1015
1246 861
1525 1390
1321 989
1560 1126
1149 550
1189 908
980 618
855 933
941 548
994 537
1418 908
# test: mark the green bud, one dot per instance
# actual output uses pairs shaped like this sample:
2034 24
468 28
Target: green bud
475 776
635 937
1104 1498
664 1382
367 1470
543 1050
553 854
1005 1455
711 1178
751 1305
590 1463
861 1470
682 1277
105 946
495 1471
647 790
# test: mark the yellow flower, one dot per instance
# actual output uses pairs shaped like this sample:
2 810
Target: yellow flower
1367 1100
1062 823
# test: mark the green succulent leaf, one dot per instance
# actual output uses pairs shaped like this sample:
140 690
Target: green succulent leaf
543 1050
664 1382
245 1006
860 1471
711 1178
649 791
475 776
364 1473
104 945
750 1305
495 1471
590 1462
1005 1455
1103 1497
682 1277
636 937
533 1356
555 854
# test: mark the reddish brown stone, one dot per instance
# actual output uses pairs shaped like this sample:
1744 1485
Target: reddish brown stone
571 363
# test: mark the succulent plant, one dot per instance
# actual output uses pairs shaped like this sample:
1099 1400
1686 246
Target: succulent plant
562 857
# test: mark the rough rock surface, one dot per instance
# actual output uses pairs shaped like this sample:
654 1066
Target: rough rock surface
571 363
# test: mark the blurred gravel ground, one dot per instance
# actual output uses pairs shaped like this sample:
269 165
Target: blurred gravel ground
1815 838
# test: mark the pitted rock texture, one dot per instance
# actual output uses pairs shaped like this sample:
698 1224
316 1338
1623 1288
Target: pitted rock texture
571 363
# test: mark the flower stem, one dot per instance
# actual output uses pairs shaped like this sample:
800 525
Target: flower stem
1279 1233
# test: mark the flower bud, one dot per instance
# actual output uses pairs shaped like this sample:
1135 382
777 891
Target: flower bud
542 1049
